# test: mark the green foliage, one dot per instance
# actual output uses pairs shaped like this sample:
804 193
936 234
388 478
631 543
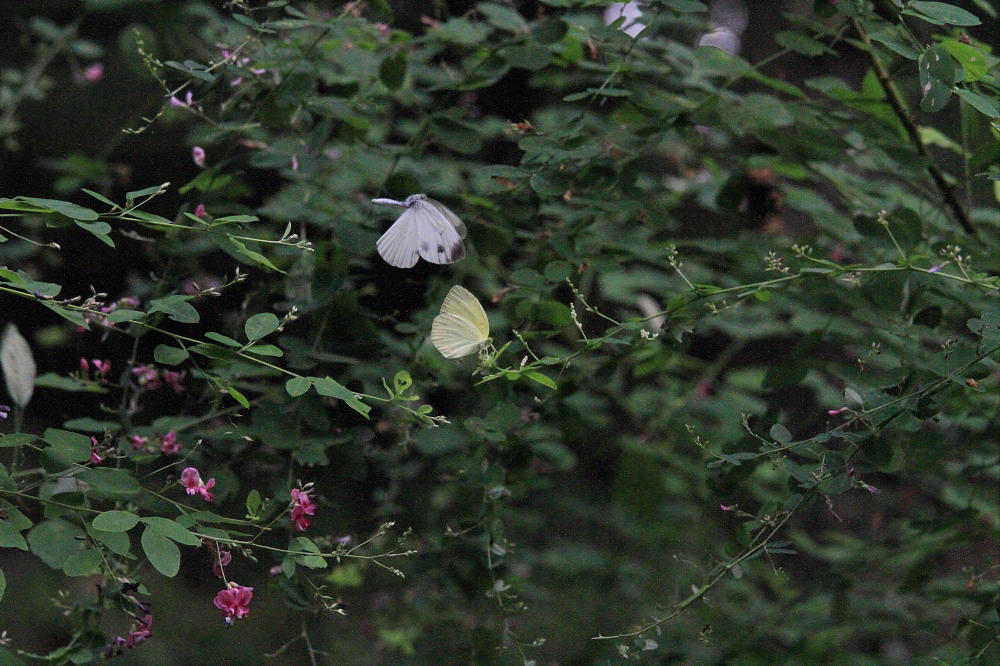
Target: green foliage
745 314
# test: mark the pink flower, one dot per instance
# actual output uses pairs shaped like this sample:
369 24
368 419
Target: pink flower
727 508
935 269
147 376
94 73
187 103
84 365
198 155
195 486
199 210
139 442
170 445
174 379
383 29
95 447
302 506
143 631
233 601
4 411
295 163
102 367
834 412
221 557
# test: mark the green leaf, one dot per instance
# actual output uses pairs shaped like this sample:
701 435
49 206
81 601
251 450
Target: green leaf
83 563
172 530
55 541
780 434
176 307
110 481
329 387
169 355
222 339
392 71
99 229
253 257
987 106
71 445
974 62
458 136
238 397
502 17
297 386
541 379
260 325
70 210
121 316
937 75
3 584
253 503
10 537
115 521
162 553
796 41
265 350
941 13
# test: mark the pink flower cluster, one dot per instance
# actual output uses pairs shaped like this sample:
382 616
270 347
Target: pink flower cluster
101 368
148 377
143 630
167 444
233 601
195 486
302 506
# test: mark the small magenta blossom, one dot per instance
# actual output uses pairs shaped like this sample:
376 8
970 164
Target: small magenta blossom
936 268
174 378
147 376
195 486
187 103
4 411
383 29
727 508
101 367
198 155
295 163
94 73
95 448
199 210
233 601
139 442
169 445
143 630
221 557
302 506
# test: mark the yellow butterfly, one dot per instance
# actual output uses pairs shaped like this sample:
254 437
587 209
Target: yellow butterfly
462 327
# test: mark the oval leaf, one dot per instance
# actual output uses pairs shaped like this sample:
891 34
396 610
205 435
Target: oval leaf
162 553
259 325
116 521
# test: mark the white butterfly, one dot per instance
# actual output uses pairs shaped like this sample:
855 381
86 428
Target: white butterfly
426 229
462 327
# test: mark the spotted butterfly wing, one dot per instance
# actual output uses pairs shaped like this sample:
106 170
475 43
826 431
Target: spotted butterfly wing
425 229
462 327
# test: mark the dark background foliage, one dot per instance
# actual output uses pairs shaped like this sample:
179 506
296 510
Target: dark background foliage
774 414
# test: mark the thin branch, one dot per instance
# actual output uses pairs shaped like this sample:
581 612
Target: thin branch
898 104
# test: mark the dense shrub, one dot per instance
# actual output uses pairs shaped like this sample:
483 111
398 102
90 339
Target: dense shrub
738 401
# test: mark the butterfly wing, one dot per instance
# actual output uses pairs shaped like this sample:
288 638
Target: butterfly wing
462 328
400 244
440 232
